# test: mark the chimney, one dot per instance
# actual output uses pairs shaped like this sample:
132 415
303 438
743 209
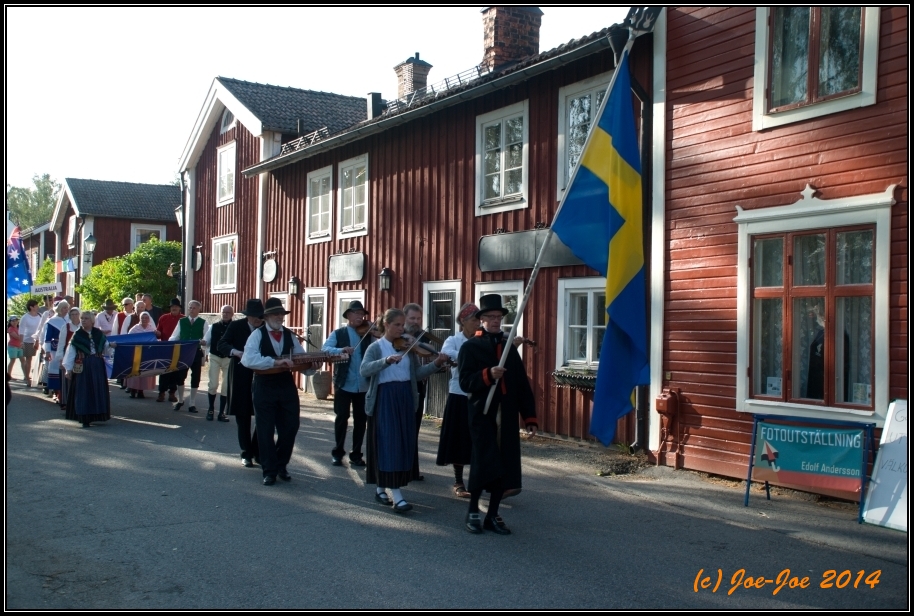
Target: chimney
412 75
375 106
510 33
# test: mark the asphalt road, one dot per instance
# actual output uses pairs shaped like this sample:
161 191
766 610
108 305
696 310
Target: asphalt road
153 510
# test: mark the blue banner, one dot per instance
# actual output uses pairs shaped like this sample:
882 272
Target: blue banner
146 358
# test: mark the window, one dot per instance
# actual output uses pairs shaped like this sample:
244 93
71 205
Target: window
578 105
71 232
342 303
501 160
582 322
812 61
225 256
228 122
441 307
319 205
315 322
814 275
511 291
353 196
140 233
226 174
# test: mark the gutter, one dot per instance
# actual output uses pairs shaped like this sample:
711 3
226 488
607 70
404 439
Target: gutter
593 47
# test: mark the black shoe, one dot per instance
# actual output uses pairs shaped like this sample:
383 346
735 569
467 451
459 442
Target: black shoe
222 417
383 498
269 480
496 525
177 406
133 394
209 415
336 461
402 507
191 409
357 462
140 394
474 523
420 478
284 475
246 462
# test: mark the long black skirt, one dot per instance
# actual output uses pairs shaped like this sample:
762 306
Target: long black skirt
88 398
390 446
455 445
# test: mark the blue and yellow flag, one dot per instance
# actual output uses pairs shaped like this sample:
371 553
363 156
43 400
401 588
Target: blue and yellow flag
600 221
149 357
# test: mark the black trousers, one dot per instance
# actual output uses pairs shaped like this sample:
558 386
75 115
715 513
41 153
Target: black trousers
342 400
248 442
195 369
276 409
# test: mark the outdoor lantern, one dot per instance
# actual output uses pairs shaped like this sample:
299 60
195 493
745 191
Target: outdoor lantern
89 245
293 286
384 278
179 214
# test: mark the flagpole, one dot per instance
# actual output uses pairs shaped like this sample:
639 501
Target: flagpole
536 265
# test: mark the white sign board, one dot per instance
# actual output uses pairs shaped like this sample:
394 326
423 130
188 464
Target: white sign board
887 499
38 289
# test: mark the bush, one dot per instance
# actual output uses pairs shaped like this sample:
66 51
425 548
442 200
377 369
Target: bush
141 271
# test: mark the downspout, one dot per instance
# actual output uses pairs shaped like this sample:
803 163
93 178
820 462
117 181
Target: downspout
190 207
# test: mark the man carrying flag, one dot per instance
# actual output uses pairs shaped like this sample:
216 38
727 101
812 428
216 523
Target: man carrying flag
18 275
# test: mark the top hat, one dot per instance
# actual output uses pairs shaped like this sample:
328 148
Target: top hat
488 303
274 306
175 302
353 306
254 308
109 303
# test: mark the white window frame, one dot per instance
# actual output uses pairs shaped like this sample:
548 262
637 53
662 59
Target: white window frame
229 151
310 293
227 122
135 226
71 232
761 119
362 228
342 301
224 288
811 212
503 204
437 287
317 236
565 288
593 84
502 287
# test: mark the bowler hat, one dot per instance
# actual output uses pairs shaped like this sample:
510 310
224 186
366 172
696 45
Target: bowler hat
488 303
254 308
353 306
274 306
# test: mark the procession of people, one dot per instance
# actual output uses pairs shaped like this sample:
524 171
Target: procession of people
380 384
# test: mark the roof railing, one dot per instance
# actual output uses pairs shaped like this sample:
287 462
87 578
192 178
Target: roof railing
304 141
435 90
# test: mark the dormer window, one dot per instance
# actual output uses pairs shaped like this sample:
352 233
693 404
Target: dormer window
228 121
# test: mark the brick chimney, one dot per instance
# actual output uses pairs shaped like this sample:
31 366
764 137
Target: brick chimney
412 75
510 33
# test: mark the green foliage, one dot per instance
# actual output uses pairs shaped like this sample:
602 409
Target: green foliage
30 207
142 271
45 275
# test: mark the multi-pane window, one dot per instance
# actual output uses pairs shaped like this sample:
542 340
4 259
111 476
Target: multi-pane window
582 322
143 233
320 204
812 313
226 174
501 172
354 196
580 110
225 256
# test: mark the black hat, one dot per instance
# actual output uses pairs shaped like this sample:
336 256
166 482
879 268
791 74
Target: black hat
274 306
175 302
488 303
254 308
354 305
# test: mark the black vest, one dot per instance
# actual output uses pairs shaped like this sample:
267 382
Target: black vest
341 369
266 349
216 331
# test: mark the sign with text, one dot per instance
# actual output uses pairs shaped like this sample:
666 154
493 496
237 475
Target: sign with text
347 267
509 251
39 289
887 498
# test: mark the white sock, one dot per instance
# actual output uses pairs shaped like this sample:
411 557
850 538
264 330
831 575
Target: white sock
380 490
181 394
193 396
397 496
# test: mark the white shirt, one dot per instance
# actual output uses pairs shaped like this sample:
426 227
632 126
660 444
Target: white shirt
105 321
29 327
451 348
255 361
70 357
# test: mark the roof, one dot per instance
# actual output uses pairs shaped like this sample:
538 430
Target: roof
124 199
280 108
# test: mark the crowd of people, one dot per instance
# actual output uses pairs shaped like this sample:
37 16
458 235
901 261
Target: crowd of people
380 384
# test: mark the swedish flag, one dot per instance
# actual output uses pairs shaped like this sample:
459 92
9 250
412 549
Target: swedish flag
600 221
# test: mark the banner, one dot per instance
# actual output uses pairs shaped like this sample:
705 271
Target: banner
39 289
150 357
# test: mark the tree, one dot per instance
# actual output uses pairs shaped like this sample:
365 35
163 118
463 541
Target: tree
46 274
30 207
141 271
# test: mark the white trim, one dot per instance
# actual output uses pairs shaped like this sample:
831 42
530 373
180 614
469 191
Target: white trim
509 203
270 145
566 92
343 298
438 286
761 119
513 287
85 261
565 286
220 200
658 226
134 226
810 212
324 236
226 288
223 128
189 230
355 230
313 292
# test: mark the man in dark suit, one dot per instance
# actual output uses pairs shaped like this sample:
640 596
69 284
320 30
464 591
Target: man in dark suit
240 403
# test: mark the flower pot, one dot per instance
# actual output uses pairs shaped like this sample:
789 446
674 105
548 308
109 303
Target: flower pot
321 382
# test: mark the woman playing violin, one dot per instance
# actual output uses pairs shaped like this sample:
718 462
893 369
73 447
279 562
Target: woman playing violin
390 404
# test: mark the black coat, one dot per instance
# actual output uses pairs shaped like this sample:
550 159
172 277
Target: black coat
492 459
239 378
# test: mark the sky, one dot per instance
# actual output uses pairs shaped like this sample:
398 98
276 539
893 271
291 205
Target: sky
113 93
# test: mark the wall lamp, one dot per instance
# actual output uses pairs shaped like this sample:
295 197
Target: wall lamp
384 279
294 286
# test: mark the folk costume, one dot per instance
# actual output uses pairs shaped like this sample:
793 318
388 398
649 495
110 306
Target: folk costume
240 379
54 330
219 366
88 398
167 323
455 445
69 330
190 328
137 384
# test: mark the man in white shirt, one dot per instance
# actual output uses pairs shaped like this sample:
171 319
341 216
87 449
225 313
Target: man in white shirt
106 320
191 327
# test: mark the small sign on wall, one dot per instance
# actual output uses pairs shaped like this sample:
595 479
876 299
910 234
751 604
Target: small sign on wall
347 267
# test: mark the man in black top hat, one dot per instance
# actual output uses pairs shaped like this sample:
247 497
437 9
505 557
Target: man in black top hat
349 386
275 395
231 344
495 458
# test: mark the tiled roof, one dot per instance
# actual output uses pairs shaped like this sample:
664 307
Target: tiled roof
281 108
125 199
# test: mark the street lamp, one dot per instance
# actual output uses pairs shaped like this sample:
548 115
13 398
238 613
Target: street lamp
89 247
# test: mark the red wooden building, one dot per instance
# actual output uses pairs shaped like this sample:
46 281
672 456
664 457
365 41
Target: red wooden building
38 243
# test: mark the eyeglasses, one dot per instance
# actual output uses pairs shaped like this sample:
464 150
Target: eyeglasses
492 317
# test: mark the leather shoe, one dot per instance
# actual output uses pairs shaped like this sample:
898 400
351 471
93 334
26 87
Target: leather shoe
209 415
403 507
191 409
359 462
474 523
496 525
246 462
161 397
284 475
382 498
269 480
172 397
222 417
336 462
177 406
